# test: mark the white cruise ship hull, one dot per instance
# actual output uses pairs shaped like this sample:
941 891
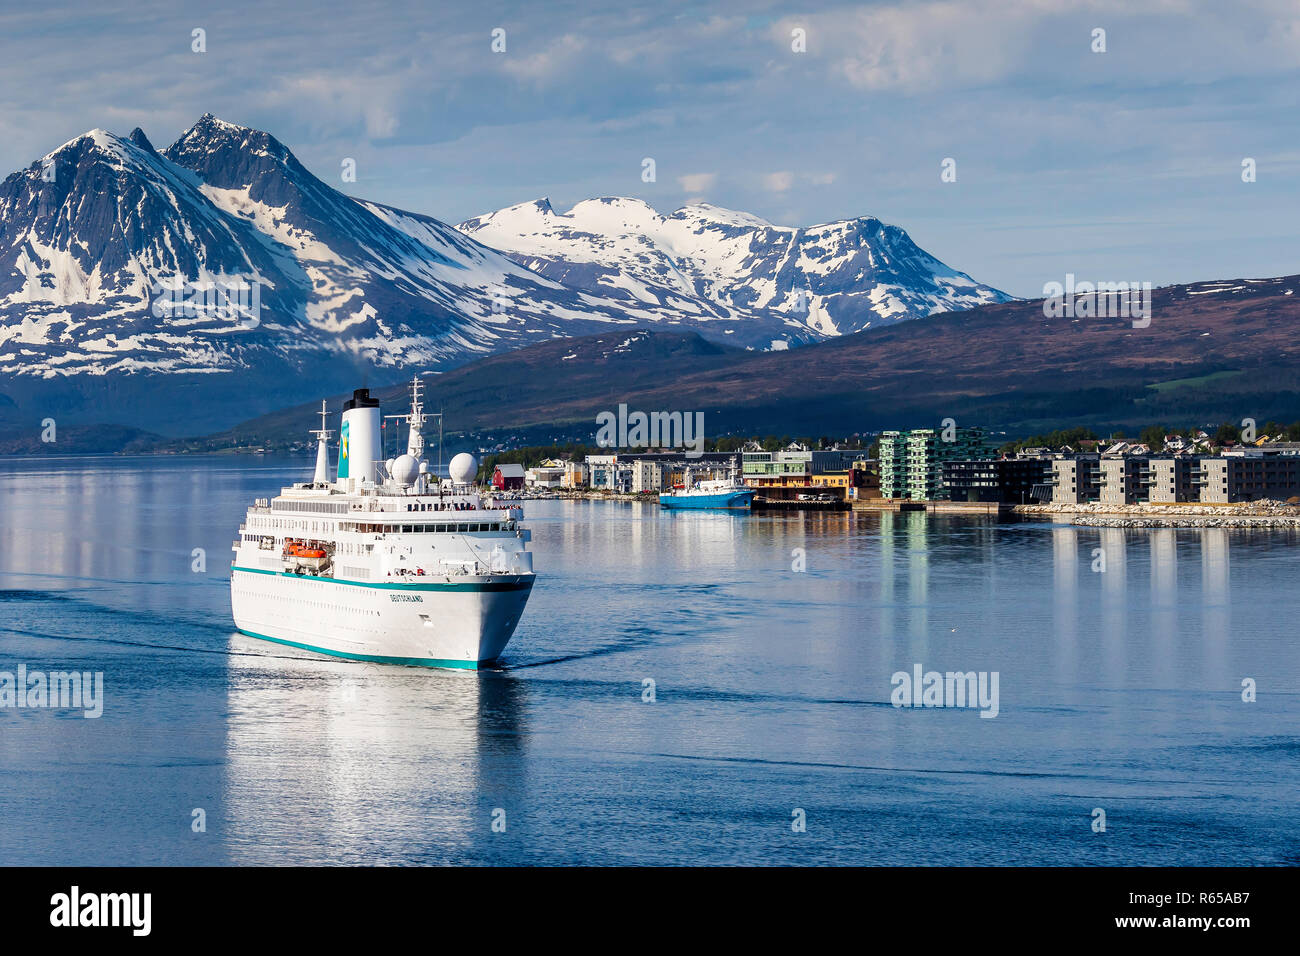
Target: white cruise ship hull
464 621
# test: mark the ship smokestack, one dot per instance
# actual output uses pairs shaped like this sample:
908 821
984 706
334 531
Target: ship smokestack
360 447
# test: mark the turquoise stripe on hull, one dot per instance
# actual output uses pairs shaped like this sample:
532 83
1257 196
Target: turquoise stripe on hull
472 586
373 658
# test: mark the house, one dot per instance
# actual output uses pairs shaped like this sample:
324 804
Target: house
508 477
549 474
575 475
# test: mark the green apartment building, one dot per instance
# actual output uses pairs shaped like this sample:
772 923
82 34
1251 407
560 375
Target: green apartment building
911 462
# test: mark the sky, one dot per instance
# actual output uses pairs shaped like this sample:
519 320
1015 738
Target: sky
1122 165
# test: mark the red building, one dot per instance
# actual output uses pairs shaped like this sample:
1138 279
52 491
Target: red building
508 477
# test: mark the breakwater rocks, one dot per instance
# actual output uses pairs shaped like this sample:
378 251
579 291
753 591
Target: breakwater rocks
1253 514
571 494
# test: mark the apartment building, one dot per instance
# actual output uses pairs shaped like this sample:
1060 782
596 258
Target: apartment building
1242 474
1076 480
911 462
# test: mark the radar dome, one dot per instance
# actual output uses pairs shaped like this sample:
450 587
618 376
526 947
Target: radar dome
404 470
463 468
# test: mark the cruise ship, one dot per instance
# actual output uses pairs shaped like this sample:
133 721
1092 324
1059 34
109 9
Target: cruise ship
388 562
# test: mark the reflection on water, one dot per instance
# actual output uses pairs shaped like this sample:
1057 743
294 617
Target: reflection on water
354 760
1121 655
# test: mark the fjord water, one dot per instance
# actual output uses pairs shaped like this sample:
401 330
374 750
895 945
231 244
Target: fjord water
1118 689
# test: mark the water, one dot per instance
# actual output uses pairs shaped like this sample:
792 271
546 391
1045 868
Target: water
1119 690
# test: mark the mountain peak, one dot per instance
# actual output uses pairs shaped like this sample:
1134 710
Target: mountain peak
823 280
211 134
724 216
228 156
140 139
209 121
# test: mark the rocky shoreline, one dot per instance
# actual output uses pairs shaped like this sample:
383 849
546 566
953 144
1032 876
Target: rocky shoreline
1254 514
579 494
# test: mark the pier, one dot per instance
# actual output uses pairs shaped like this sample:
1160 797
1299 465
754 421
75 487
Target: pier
775 504
934 507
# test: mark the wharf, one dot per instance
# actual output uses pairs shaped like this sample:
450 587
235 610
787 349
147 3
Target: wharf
934 507
770 504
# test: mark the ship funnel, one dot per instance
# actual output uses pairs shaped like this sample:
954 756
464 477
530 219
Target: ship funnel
360 448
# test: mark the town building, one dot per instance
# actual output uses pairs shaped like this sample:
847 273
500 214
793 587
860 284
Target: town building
795 469
1005 480
911 462
1076 480
508 477
1173 478
648 476
575 475
549 474
655 471
1249 474
609 473
1244 473
1123 479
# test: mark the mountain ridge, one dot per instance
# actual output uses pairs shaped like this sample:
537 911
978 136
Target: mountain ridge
1214 351
837 277
348 288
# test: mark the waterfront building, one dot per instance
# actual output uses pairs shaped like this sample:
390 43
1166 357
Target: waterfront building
508 477
892 458
575 475
783 474
549 474
648 476
1005 480
1249 474
1173 479
1076 480
603 472
911 462
1246 473
1123 480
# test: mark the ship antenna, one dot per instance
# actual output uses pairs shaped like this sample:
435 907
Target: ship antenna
416 420
322 475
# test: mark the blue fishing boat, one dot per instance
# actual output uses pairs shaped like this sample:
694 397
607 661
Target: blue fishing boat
723 493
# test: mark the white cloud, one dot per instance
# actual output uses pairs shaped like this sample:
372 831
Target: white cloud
697 182
554 60
779 182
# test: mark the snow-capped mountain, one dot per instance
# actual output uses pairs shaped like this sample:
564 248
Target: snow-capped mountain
93 234
835 278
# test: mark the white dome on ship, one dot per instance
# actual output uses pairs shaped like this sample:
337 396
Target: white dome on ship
463 468
404 470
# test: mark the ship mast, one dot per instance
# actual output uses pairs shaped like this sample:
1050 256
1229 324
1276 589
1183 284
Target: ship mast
322 475
416 420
